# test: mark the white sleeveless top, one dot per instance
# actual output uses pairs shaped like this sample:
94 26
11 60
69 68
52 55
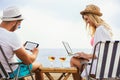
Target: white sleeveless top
101 34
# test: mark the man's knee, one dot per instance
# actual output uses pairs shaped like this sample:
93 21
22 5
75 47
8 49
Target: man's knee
36 67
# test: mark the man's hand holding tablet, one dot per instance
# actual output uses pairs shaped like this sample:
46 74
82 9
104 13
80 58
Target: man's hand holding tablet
30 45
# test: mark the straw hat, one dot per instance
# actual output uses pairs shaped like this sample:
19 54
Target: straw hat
91 9
11 14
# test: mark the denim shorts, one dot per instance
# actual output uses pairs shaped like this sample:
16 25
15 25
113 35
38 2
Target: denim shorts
24 71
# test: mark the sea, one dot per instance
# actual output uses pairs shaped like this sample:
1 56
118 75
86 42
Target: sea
57 53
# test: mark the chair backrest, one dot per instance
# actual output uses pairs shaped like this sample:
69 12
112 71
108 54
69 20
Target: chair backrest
3 73
108 63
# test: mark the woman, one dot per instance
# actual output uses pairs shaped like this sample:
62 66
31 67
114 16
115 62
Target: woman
99 31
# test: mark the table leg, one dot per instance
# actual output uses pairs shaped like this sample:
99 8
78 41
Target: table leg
63 74
49 76
66 76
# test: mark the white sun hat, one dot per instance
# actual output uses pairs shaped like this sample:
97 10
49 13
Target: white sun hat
11 14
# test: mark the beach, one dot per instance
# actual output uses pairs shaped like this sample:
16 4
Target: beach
55 76
43 59
57 53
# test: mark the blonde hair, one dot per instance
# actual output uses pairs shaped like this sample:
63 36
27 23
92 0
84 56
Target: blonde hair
97 21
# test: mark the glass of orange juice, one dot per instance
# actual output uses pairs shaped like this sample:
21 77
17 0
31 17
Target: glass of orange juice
51 59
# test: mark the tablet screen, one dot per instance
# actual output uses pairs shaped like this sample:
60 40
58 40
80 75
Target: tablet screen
30 45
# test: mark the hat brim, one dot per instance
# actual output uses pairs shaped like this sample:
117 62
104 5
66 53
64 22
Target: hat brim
90 12
11 19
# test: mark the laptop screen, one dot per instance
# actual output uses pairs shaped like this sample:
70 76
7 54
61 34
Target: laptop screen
67 47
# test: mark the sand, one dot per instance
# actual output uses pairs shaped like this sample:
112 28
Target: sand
55 76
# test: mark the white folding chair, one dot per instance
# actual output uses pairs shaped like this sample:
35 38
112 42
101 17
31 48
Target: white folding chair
108 61
4 74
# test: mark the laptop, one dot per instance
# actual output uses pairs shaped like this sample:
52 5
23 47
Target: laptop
68 48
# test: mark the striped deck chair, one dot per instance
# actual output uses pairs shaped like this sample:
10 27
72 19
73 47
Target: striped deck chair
108 63
4 74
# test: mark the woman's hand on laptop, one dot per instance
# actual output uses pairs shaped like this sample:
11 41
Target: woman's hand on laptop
76 55
80 55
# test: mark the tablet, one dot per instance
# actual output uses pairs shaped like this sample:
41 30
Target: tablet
30 45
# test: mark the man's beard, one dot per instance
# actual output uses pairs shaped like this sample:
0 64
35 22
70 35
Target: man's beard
13 28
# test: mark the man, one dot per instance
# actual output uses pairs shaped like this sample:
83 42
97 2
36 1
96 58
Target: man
12 45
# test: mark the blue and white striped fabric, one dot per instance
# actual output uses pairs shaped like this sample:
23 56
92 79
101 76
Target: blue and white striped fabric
108 64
